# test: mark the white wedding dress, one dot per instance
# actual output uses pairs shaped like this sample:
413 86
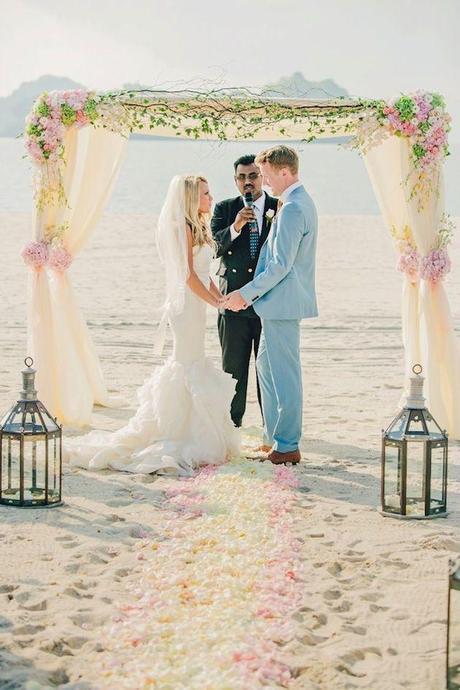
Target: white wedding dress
183 419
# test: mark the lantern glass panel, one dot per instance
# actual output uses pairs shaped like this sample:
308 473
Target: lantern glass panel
438 461
415 491
453 671
32 422
34 468
433 427
392 479
416 426
54 450
399 426
11 449
50 423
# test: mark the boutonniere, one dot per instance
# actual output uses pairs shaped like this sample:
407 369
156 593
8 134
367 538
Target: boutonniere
269 215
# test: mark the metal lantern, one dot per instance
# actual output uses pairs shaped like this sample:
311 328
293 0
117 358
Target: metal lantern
453 627
414 460
30 450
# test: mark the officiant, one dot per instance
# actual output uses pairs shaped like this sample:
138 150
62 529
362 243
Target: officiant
239 250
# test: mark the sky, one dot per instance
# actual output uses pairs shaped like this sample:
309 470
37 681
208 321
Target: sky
373 48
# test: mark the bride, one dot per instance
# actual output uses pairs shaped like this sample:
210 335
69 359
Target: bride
183 419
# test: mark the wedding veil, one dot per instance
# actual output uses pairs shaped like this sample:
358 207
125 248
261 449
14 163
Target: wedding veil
171 243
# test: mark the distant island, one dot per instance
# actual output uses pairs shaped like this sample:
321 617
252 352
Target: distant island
296 86
15 107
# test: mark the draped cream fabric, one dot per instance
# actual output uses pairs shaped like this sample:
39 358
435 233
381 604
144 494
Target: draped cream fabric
428 332
69 376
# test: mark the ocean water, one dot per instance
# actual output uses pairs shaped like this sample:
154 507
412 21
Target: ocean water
335 176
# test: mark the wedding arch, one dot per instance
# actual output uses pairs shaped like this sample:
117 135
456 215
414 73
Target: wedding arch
76 141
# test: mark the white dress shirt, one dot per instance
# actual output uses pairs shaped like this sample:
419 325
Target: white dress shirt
259 205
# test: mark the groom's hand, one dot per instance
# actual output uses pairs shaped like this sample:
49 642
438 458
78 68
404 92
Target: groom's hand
235 301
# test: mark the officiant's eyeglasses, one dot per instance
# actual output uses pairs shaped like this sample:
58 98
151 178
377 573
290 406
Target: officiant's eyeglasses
251 176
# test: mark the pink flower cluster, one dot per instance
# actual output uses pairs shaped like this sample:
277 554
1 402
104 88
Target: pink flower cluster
406 128
435 265
52 113
75 99
421 117
409 263
35 254
39 254
59 259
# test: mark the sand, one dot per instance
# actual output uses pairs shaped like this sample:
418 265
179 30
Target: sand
374 589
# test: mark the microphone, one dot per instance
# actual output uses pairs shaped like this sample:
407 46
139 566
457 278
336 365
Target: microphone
248 200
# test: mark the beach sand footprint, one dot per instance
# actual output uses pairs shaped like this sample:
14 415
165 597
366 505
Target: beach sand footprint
354 657
58 647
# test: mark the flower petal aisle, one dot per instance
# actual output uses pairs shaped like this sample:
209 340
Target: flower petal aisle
213 605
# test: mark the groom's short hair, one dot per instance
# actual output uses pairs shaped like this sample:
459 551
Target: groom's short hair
280 157
244 160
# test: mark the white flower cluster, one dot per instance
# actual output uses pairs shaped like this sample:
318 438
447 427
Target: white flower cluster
368 132
114 116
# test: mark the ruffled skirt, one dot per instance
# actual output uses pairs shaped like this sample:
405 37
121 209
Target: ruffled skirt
182 423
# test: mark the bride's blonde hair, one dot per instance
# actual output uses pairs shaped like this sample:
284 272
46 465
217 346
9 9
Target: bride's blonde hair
199 222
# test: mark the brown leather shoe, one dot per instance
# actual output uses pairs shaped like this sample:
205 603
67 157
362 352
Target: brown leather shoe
277 458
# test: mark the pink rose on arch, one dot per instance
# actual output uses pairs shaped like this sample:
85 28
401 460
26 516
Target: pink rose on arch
59 259
408 128
82 119
35 254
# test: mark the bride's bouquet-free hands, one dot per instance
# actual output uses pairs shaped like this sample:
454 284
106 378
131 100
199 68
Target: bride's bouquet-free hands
234 301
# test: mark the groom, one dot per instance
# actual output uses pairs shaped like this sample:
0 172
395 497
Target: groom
282 293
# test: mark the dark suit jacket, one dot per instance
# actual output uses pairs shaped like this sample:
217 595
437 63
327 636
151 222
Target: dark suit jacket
236 266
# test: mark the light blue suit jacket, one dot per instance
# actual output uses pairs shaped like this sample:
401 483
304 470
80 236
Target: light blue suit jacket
283 286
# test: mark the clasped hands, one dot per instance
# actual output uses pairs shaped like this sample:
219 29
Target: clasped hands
233 301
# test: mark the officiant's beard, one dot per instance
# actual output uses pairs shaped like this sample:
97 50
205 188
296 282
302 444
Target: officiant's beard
250 188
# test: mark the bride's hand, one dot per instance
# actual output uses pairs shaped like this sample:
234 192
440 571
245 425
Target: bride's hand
221 301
